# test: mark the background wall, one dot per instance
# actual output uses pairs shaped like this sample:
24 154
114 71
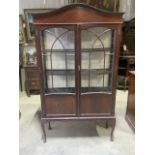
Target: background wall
126 6
25 4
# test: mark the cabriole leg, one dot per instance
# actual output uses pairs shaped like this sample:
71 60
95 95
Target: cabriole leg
113 127
49 126
106 124
43 130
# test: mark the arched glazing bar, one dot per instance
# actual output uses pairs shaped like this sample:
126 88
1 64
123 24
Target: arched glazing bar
98 37
58 39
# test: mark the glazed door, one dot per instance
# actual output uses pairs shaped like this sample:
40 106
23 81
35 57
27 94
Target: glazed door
58 57
97 57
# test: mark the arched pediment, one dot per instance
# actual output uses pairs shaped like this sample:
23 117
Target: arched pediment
78 13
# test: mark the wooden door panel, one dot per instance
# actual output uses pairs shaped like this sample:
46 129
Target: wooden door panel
60 104
96 104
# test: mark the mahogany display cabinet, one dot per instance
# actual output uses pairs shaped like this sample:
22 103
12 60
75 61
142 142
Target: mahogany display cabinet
78 50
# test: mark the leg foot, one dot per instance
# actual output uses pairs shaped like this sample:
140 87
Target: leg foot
27 89
43 130
106 124
49 126
113 127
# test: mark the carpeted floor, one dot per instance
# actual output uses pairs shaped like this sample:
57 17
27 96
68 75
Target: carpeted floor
73 137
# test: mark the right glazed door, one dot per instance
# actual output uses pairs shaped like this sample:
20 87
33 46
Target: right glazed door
97 57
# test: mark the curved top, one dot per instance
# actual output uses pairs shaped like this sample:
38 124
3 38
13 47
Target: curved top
78 13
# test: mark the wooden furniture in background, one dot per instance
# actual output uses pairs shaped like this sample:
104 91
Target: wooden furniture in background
127 54
78 50
130 111
29 20
33 81
32 72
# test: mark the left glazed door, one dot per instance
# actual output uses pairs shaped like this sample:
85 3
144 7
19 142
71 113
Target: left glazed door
58 64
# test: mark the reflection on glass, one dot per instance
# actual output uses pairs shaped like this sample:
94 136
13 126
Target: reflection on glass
96 59
59 60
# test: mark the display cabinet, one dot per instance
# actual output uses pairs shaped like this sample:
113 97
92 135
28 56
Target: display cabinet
78 50
127 54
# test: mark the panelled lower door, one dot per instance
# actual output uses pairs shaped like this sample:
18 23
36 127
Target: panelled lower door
97 56
58 57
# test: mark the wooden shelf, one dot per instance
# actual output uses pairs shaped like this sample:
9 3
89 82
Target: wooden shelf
72 71
95 89
60 71
72 90
60 90
127 56
107 50
121 67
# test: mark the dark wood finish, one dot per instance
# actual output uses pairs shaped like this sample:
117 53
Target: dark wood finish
49 126
96 104
43 130
79 14
130 111
78 105
129 37
126 64
127 57
57 104
33 79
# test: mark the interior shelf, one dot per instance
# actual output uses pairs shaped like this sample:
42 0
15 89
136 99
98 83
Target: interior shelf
95 89
60 71
72 71
96 71
60 90
72 90
97 50
107 50
122 68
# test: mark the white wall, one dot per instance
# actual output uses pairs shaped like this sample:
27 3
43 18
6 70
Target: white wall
128 7
25 4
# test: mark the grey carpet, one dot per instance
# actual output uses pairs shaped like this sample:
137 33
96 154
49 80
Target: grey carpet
73 137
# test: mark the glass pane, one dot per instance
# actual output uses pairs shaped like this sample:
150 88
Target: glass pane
96 38
58 53
96 59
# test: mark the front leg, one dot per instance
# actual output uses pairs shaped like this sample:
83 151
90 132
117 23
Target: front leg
106 124
113 127
43 130
49 126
